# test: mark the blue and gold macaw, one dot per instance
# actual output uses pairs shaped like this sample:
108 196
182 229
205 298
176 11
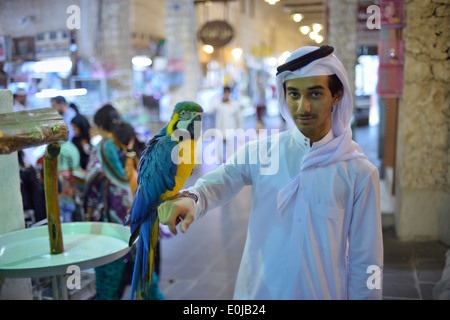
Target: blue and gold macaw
163 168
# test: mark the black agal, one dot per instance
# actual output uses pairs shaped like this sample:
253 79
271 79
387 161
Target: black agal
302 61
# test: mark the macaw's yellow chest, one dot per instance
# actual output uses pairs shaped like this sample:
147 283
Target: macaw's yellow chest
186 161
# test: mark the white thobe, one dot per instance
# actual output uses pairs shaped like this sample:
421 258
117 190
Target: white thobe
228 117
327 245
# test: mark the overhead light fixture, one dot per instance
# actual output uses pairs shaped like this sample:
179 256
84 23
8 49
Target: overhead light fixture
141 61
297 17
317 27
304 30
313 35
58 65
208 48
319 39
271 61
236 53
282 58
50 93
271 2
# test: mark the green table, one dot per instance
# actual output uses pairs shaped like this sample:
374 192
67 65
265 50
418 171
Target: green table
26 253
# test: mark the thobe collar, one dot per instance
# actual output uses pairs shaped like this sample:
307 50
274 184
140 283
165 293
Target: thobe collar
305 142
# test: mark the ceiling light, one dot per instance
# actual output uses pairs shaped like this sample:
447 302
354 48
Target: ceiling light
319 39
313 35
50 93
282 58
304 30
141 61
271 2
208 48
236 53
297 17
59 65
317 27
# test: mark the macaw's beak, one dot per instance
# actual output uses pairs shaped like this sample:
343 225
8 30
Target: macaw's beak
195 127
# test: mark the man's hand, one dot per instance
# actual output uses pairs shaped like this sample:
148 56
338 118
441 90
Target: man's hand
172 212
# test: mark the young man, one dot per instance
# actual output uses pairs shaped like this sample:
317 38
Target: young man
315 226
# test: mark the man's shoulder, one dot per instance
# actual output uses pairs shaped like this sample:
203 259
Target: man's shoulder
362 167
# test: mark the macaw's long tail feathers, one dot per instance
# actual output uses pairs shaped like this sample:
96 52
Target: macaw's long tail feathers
134 236
145 256
138 211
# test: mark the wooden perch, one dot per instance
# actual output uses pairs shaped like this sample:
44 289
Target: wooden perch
51 197
25 129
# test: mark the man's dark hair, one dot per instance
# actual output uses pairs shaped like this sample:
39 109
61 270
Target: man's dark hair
59 99
335 85
107 117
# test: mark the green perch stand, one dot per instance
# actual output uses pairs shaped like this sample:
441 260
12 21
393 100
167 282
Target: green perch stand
26 253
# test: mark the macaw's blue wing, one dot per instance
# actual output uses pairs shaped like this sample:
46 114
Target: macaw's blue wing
156 175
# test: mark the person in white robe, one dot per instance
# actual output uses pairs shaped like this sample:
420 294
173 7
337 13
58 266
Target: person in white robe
314 230
228 116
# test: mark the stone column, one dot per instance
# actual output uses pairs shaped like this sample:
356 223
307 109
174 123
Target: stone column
114 47
11 211
181 45
423 140
342 34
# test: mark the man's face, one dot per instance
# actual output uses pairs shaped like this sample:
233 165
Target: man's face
226 95
57 107
309 101
22 98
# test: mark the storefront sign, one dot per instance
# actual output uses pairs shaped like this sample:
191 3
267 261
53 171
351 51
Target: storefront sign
52 44
216 33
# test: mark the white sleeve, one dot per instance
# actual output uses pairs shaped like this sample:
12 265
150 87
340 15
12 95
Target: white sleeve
365 251
220 185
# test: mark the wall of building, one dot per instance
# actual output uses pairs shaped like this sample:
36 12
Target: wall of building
423 140
147 17
26 18
342 34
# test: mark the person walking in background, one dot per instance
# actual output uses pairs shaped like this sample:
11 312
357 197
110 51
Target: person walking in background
107 196
229 117
82 139
259 101
59 103
109 193
20 100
